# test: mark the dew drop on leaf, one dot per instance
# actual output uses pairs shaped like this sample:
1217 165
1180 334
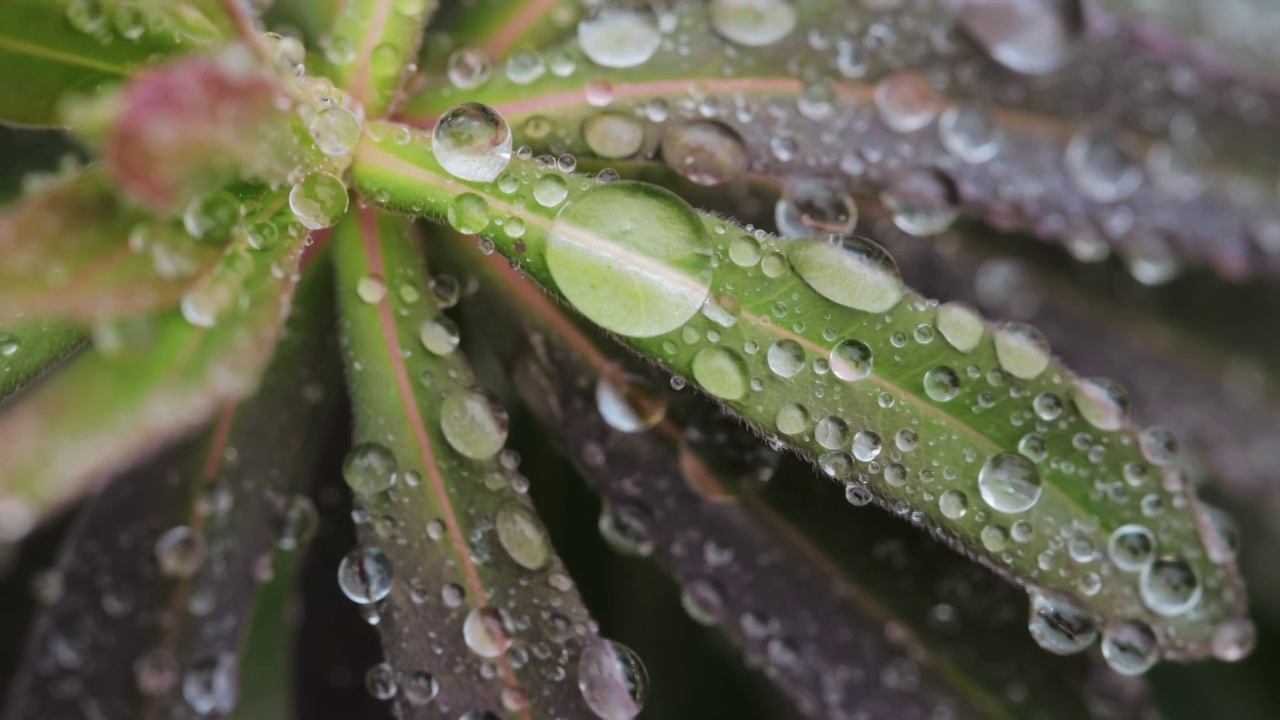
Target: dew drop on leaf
812 205
212 684
522 536
923 202
1130 648
1103 403
1021 350
905 101
319 200
850 271
753 23
786 358
473 423
969 133
613 135
613 680
634 258
960 325
851 360
180 552
420 688
628 403
439 335
941 383
1169 586
625 527
365 575
369 468
705 152
620 33
380 681
485 632
472 142
1058 626
953 504
1009 483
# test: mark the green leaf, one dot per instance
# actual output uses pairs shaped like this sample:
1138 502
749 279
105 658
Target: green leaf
1058 155
446 521
206 526
28 350
371 45
499 27
107 408
77 251
761 550
817 342
49 48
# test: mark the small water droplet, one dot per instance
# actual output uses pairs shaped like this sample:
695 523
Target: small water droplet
613 680
905 101
365 575
1009 483
369 468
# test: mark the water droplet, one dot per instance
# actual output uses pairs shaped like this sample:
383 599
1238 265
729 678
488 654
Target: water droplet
369 468
1130 648
1131 546
754 23
1234 639
1022 350
522 536
155 672
625 527
485 632
371 289
831 432
180 552
851 360
212 684
1101 402
857 494
953 504
905 101
211 217
720 372
1101 167
814 205
969 133
469 67
620 33
550 190
365 575
474 423
1059 626
613 680
1027 37
1169 586
850 271
336 130
961 325
634 241
941 383
472 142
439 335
380 681
319 201
468 213
421 688
1220 534
705 152
1159 445
866 445
613 135
786 358
923 202
791 419
629 403
1047 406
1009 483
297 520
703 601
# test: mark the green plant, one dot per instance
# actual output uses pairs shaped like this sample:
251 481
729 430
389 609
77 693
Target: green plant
166 322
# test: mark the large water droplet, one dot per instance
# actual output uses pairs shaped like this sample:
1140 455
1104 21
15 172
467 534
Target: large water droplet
629 403
485 632
1009 483
960 325
1022 350
720 372
754 23
705 152
1101 402
613 680
1169 586
1059 626
851 271
369 468
1101 167
522 536
319 200
941 383
866 445
851 360
336 130
1027 36
634 258
620 33
1131 546
786 358
1130 648
473 423
954 504
472 141
365 575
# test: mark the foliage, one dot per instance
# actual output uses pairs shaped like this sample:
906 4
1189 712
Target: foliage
668 248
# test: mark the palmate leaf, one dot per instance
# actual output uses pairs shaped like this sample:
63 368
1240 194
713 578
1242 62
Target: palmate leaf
113 404
163 572
476 612
65 253
827 598
818 342
1091 150
49 48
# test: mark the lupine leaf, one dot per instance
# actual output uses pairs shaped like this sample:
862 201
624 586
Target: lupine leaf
759 323
28 350
49 48
374 41
167 566
107 408
1092 149
774 558
474 580
65 253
